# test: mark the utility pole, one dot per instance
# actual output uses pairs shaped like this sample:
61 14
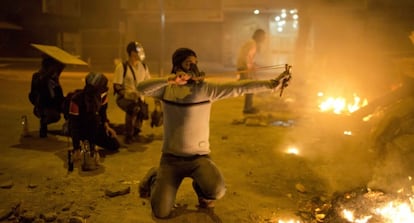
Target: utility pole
162 23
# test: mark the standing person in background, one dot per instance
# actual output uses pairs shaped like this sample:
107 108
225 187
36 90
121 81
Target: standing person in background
46 93
187 99
127 75
246 65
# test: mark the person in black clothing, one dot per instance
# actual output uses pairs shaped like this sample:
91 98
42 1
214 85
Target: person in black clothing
88 121
46 93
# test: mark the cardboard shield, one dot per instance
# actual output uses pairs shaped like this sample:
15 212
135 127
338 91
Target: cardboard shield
59 54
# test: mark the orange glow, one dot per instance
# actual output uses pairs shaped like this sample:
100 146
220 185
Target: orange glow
292 150
340 105
349 215
396 213
392 212
288 221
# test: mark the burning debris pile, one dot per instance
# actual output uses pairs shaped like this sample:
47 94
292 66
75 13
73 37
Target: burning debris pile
361 205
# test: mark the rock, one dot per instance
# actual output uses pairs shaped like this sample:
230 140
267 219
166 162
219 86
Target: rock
76 219
39 220
255 122
49 217
32 186
28 216
5 213
299 187
238 121
6 184
117 190
320 217
67 206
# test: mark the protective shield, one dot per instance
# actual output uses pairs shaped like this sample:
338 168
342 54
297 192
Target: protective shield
59 54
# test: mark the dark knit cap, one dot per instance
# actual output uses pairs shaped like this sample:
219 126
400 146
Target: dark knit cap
97 81
179 56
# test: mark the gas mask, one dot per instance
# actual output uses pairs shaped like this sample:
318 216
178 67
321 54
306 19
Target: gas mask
196 75
135 46
141 53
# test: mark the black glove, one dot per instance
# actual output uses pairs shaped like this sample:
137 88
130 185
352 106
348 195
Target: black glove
283 79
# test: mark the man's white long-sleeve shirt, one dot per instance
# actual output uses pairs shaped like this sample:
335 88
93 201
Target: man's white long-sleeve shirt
187 110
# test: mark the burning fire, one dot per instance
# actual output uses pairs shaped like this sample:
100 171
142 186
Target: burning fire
349 215
292 150
396 213
392 212
340 105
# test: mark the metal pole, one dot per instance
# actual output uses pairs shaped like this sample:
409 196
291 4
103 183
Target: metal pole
162 18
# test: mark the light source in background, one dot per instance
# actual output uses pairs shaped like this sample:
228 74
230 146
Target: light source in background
292 150
286 21
348 132
283 14
256 11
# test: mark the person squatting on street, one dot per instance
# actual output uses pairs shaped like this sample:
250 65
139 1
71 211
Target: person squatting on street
246 65
88 121
46 93
126 77
187 99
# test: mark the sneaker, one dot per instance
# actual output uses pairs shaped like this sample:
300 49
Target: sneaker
42 133
128 140
136 131
90 161
76 155
205 203
142 139
144 187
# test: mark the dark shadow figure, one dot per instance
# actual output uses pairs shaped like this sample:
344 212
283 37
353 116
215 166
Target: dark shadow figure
60 148
49 144
135 146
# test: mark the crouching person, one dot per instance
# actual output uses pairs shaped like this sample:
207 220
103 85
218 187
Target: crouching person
46 93
88 122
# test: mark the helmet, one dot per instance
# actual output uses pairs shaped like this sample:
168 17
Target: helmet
98 81
136 47
179 56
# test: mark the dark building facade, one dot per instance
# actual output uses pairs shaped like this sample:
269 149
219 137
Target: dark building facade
98 30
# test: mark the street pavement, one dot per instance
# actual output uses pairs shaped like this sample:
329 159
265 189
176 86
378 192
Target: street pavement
262 180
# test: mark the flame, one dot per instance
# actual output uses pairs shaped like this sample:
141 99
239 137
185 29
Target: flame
339 105
392 212
292 150
348 132
396 213
349 215
288 221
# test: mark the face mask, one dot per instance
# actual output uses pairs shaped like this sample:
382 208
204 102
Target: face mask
195 72
141 54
